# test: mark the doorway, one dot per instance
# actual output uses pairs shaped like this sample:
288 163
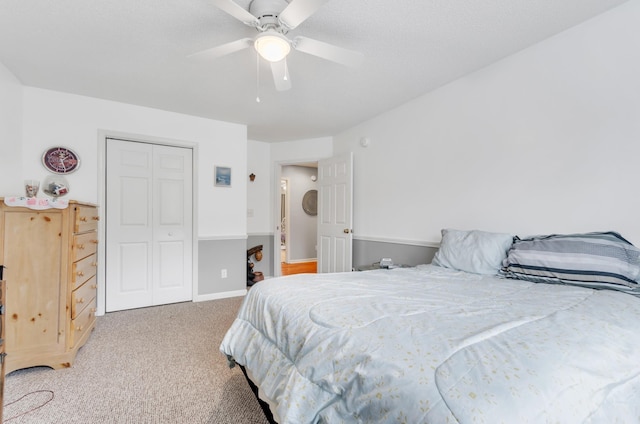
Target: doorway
149 224
298 218
284 204
334 236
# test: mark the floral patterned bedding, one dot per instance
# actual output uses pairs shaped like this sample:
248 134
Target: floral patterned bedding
432 345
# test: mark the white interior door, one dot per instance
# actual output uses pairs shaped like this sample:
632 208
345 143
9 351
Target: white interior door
149 227
335 213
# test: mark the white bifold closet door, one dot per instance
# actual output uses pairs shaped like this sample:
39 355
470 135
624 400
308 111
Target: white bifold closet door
149 224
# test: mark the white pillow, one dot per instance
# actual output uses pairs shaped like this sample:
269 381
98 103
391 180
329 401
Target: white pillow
475 251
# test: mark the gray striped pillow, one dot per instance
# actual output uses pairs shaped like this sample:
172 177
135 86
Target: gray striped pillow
596 260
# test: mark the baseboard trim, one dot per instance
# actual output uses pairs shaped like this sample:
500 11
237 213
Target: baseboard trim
229 237
221 295
302 261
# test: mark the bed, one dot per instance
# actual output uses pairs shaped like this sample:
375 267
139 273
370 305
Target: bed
440 344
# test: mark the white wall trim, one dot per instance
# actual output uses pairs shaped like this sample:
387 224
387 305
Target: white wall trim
260 234
298 261
229 237
398 241
222 295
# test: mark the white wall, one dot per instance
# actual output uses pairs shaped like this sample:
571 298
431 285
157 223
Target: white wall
308 150
262 159
53 118
10 133
259 191
547 140
265 161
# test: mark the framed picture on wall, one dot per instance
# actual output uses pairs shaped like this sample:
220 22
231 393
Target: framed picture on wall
222 176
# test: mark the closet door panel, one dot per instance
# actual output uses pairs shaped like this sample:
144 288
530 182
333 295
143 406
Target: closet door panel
149 224
129 228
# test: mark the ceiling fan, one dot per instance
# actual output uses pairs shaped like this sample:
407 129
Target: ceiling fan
273 19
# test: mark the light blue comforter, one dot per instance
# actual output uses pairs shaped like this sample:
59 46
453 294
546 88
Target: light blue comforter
430 345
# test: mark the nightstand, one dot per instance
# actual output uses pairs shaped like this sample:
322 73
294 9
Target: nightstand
377 266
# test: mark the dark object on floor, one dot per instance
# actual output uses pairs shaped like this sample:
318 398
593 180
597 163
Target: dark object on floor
263 404
253 277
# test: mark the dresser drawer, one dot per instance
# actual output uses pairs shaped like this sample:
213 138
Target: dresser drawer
86 219
83 296
84 245
83 270
83 323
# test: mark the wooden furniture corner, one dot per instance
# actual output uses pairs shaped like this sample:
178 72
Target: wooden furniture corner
50 271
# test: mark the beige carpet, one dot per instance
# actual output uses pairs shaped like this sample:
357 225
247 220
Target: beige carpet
152 365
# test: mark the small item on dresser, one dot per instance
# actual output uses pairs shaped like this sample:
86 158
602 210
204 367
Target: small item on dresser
55 186
31 187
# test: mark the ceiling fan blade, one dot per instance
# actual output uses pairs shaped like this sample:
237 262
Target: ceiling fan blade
223 49
280 72
298 11
328 51
235 10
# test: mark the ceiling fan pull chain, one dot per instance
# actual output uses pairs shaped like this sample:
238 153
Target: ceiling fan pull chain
286 69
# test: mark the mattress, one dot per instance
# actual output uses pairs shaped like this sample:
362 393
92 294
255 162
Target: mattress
432 345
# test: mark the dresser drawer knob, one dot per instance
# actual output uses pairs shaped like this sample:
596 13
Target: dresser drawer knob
95 218
94 286
79 328
80 274
81 300
83 219
94 264
94 241
80 247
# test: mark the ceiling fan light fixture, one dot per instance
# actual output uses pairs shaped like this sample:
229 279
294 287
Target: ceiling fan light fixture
272 46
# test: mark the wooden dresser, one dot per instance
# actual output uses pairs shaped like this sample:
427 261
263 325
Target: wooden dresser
50 270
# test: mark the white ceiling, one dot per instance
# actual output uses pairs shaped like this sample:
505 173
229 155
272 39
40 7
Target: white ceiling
135 51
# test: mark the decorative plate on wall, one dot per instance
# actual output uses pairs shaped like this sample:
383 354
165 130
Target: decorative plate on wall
310 202
60 160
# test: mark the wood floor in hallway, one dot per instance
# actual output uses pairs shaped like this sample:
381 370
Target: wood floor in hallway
299 268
